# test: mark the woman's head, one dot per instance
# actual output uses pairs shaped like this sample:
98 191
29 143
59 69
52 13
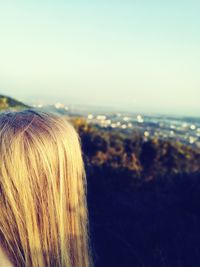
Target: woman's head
43 211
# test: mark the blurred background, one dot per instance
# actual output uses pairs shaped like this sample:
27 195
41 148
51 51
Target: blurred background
126 74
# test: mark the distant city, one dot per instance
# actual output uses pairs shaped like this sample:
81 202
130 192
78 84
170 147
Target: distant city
183 129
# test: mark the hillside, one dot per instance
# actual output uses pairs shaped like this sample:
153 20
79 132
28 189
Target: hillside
143 199
10 103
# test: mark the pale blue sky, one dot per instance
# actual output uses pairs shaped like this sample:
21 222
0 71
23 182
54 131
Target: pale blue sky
138 55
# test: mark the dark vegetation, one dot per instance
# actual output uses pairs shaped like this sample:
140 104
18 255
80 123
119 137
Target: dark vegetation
143 198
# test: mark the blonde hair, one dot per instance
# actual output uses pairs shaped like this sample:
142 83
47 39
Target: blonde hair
43 209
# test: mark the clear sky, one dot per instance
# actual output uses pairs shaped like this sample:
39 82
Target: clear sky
141 55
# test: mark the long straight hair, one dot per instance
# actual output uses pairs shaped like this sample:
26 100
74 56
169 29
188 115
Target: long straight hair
43 209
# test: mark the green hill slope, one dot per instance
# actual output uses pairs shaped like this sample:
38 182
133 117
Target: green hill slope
10 103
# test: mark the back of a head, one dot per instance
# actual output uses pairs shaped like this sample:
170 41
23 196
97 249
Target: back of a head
43 210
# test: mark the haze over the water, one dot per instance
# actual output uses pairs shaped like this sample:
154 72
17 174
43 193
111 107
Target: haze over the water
137 55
